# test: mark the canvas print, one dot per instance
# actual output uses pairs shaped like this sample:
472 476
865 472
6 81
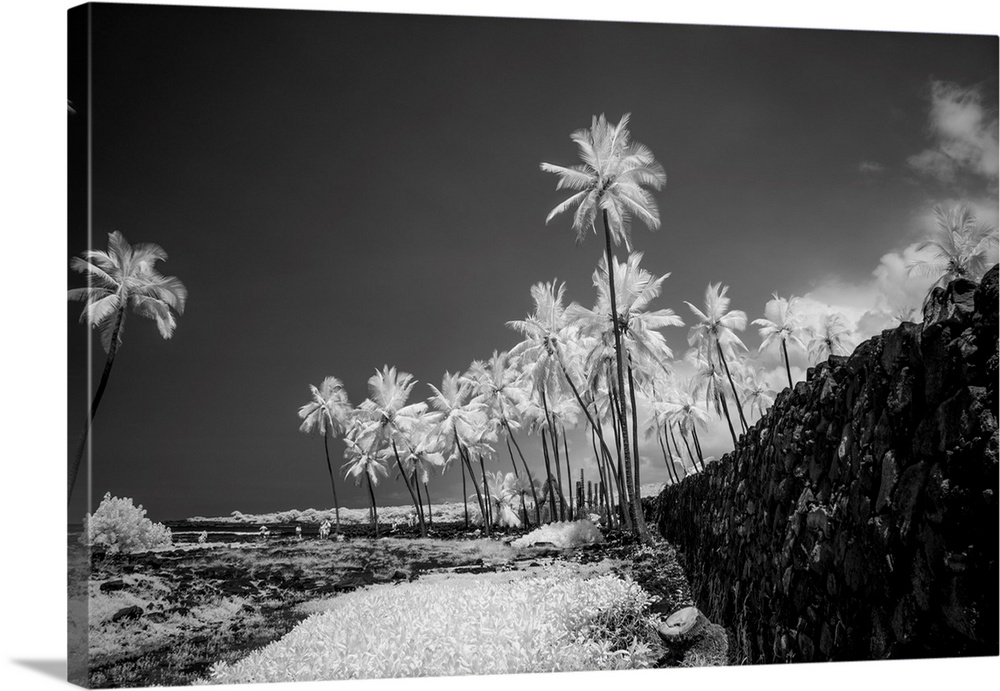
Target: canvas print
406 346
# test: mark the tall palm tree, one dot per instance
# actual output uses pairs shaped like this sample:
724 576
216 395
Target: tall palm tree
644 347
960 247
715 332
329 412
613 178
362 462
123 276
781 324
833 337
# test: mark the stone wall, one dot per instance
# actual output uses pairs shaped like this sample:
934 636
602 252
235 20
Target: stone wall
858 519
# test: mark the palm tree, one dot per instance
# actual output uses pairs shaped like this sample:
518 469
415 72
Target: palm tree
329 412
684 411
503 492
388 419
715 331
781 324
462 425
759 396
124 276
833 337
960 247
708 379
421 454
362 462
645 348
497 385
613 178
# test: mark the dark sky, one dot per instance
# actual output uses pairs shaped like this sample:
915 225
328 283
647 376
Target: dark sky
343 191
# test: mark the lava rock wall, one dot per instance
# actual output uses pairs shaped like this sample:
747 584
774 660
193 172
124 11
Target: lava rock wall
858 519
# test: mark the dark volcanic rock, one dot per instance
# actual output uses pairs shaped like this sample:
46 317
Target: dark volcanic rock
133 612
112 586
858 518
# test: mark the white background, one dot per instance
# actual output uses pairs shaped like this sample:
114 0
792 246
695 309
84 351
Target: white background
33 391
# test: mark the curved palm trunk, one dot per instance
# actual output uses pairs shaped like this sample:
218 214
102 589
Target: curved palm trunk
74 467
486 492
413 497
586 410
513 463
788 368
333 486
420 501
635 507
668 461
371 497
697 445
694 463
548 476
430 513
725 409
472 476
531 480
555 453
736 396
465 493
569 473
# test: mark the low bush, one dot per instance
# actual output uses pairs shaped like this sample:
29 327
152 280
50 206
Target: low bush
565 535
119 526
556 621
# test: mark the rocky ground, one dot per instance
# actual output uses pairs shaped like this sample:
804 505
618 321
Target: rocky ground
164 618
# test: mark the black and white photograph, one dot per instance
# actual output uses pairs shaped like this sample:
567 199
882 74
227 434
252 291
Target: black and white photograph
407 345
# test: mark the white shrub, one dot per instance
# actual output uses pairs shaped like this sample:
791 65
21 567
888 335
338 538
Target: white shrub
118 526
558 621
564 535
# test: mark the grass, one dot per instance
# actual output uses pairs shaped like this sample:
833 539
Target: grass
557 620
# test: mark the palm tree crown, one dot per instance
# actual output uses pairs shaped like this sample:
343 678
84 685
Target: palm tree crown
716 325
833 337
611 179
329 411
959 248
125 276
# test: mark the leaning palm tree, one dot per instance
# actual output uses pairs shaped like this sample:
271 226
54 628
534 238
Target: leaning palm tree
961 247
122 277
781 324
329 412
832 337
714 333
613 178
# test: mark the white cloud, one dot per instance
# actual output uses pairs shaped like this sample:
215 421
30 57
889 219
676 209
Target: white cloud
871 168
964 136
